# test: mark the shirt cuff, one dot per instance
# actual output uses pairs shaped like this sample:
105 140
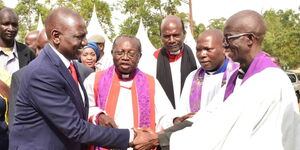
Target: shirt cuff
94 118
131 135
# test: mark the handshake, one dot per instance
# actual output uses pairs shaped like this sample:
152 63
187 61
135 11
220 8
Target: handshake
145 139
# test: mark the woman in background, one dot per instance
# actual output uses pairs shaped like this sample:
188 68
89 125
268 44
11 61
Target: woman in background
90 55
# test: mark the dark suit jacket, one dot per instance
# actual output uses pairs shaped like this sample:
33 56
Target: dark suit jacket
50 113
25 54
15 83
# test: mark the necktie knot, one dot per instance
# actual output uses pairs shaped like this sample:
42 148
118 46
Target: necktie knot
73 73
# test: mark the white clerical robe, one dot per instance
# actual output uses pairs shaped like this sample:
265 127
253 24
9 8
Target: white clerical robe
175 72
261 114
211 86
124 112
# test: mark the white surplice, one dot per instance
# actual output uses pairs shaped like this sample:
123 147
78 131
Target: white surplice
210 87
261 114
164 112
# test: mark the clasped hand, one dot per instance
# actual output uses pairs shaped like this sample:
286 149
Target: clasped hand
145 139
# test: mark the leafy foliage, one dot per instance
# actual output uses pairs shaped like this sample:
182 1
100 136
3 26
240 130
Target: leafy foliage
152 12
283 36
28 11
1 4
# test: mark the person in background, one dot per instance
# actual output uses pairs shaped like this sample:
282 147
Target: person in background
41 42
31 39
13 55
175 60
104 60
90 55
203 84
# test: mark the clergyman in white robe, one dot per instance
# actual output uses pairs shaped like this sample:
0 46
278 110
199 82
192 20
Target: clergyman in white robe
260 114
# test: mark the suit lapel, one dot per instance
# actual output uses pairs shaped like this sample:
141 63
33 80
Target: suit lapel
80 81
22 55
68 77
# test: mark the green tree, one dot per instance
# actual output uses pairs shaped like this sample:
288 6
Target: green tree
216 23
28 11
283 36
198 30
85 9
1 4
152 12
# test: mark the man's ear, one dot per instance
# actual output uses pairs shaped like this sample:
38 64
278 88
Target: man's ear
250 40
56 36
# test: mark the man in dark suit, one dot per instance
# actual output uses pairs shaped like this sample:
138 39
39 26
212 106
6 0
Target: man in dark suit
52 105
15 83
13 55
16 78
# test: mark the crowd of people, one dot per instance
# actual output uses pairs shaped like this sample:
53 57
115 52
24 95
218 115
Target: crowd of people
60 90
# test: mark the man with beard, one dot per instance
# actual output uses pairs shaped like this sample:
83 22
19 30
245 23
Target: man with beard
13 55
175 60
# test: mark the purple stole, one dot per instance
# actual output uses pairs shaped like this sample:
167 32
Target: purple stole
143 94
196 89
259 63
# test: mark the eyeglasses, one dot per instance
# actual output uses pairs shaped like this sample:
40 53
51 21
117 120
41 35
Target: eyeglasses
130 54
229 37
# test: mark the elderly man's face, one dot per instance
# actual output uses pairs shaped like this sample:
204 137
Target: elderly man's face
126 55
172 35
8 25
72 39
235 45
210 52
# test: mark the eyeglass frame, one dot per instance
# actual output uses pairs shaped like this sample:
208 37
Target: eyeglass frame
128 53
227 38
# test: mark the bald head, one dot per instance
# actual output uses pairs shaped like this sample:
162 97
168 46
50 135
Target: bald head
66 31
7 11
31 39
9 27
215 34
247 21
61 19
170 20
41 41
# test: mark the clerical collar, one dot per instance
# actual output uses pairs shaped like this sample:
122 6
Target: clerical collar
125 77
221 69
173 56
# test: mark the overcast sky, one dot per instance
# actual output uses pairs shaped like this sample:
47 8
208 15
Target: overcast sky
204 10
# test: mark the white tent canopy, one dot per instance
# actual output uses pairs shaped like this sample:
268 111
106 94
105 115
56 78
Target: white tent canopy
40 26
95 28
190 41
147 49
